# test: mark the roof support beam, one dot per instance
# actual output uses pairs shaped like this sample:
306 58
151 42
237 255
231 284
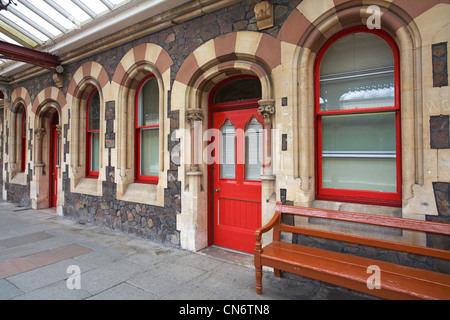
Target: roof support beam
37 58
63 12
85 8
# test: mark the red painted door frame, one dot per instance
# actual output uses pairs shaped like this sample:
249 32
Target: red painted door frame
214 111
53 156
236 200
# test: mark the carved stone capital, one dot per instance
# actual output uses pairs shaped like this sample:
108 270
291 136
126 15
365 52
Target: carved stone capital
39 133
193 116
266 108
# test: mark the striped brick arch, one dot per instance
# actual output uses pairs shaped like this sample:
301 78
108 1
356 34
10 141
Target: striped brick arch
89 74
243 52
139 62
311 24
20 95
49 95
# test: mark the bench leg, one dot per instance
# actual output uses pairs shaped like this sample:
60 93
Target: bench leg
277 273
258 273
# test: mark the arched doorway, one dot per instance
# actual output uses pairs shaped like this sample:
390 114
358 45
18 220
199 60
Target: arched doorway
47 151
54 159
235 184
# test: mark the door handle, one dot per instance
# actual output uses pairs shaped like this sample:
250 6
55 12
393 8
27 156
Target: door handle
217 190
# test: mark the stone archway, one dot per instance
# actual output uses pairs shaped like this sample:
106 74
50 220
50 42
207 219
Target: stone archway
240 53
44 154
47 105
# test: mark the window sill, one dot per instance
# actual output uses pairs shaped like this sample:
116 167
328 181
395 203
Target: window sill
147 181
19 178
367 201
88 186
142 193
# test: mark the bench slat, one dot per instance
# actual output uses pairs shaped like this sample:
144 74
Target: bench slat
430 252
351 271
393 222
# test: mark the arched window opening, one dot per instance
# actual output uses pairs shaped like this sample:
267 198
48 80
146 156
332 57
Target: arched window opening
93 135
147 131
358 119
23 139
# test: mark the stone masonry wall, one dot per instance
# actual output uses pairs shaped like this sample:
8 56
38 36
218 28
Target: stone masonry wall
157 223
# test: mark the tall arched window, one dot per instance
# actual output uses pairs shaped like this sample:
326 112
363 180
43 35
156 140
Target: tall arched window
23 140
147 131
358 118
93 135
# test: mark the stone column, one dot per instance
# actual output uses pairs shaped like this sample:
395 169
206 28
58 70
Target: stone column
39 134
194 118
194 223
268 198
39 185
267 110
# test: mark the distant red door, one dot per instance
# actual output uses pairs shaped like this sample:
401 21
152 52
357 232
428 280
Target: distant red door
54 152
236 193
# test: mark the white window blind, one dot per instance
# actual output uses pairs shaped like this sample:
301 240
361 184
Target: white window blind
357 72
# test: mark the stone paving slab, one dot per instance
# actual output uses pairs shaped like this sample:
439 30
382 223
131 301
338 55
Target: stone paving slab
15 266
55 255
25 239
40 246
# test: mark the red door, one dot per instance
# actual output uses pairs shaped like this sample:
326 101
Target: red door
236 186
54 152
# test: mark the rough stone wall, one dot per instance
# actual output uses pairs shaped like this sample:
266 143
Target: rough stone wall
158 223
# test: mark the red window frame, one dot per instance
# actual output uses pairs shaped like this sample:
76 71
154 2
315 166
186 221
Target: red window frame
358 196
89 172
137 140
23 137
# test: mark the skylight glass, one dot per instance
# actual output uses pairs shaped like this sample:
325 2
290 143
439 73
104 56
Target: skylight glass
21 23
51 13
95 5
38 21
24 13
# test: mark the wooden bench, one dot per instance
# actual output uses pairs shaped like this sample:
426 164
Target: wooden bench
348 270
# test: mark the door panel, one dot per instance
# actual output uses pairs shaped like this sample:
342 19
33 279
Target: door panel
237 199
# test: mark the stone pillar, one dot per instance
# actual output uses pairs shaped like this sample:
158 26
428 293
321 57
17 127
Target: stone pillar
39 134
266 110
268 198
194 118
39 186
194 223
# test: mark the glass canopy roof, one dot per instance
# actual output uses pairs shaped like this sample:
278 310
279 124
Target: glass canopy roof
39 32
33 23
